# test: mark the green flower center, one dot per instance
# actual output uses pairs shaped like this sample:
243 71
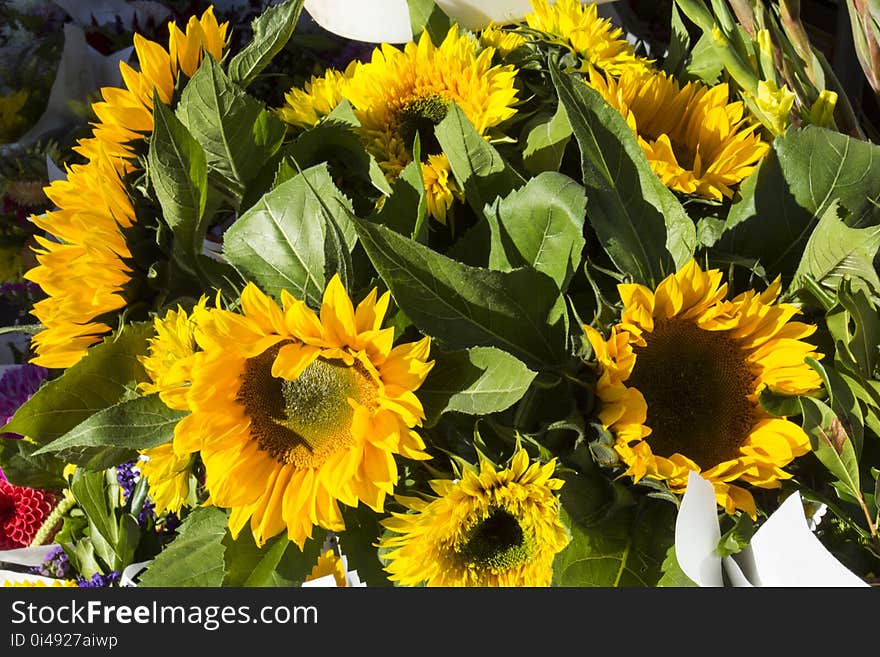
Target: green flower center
497 542
305 420
697 385
418 117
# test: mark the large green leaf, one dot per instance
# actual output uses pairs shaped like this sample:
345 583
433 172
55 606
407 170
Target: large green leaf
195 556
271 31
406 209
114 534
22 468
854 323
520 311
277 563
114 435
546 139
291 239
236 132
639 222
673 575
475 381
104 375
179 174
476 164
625 549
834 250
540 225
335 142
807 171
831 444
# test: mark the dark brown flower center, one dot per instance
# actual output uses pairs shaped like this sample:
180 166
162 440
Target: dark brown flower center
418 117
305 420
697 385
496 541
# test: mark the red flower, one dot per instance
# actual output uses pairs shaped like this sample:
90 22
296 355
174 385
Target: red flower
22 512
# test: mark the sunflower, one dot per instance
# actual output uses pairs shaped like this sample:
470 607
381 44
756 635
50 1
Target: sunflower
293 412
578 27
489 528
403 93
504 41
695 140
168 363
84 265
169 477
319 96
680 377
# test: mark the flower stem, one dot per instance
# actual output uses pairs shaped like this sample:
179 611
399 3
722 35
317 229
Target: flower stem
45 531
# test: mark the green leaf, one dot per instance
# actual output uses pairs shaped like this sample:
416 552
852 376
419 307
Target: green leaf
478 167
520 311
540 225
546 138
237 133
195 556
22 468
124 428
639 222
835 250
271 31
843 402
854 324
679 44
106 373
624 549
406 208
335 142
261 575
831 445
806 172
705 64
97 494
425 15
288 240
179 174
673 575
476 381
248 565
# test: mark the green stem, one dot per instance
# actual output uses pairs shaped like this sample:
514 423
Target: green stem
45 531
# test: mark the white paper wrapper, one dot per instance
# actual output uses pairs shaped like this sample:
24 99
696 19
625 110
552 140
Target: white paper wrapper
783 551
387 21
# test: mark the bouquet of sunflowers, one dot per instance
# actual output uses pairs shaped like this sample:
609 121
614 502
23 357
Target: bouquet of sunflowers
508 299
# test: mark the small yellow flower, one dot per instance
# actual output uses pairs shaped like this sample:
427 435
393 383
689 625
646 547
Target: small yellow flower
774 103
696 141
503 41
318 97
169 477
598 42
493 527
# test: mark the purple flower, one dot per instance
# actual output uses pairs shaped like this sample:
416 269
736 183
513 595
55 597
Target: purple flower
127 475
18 383
98 580
56 564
